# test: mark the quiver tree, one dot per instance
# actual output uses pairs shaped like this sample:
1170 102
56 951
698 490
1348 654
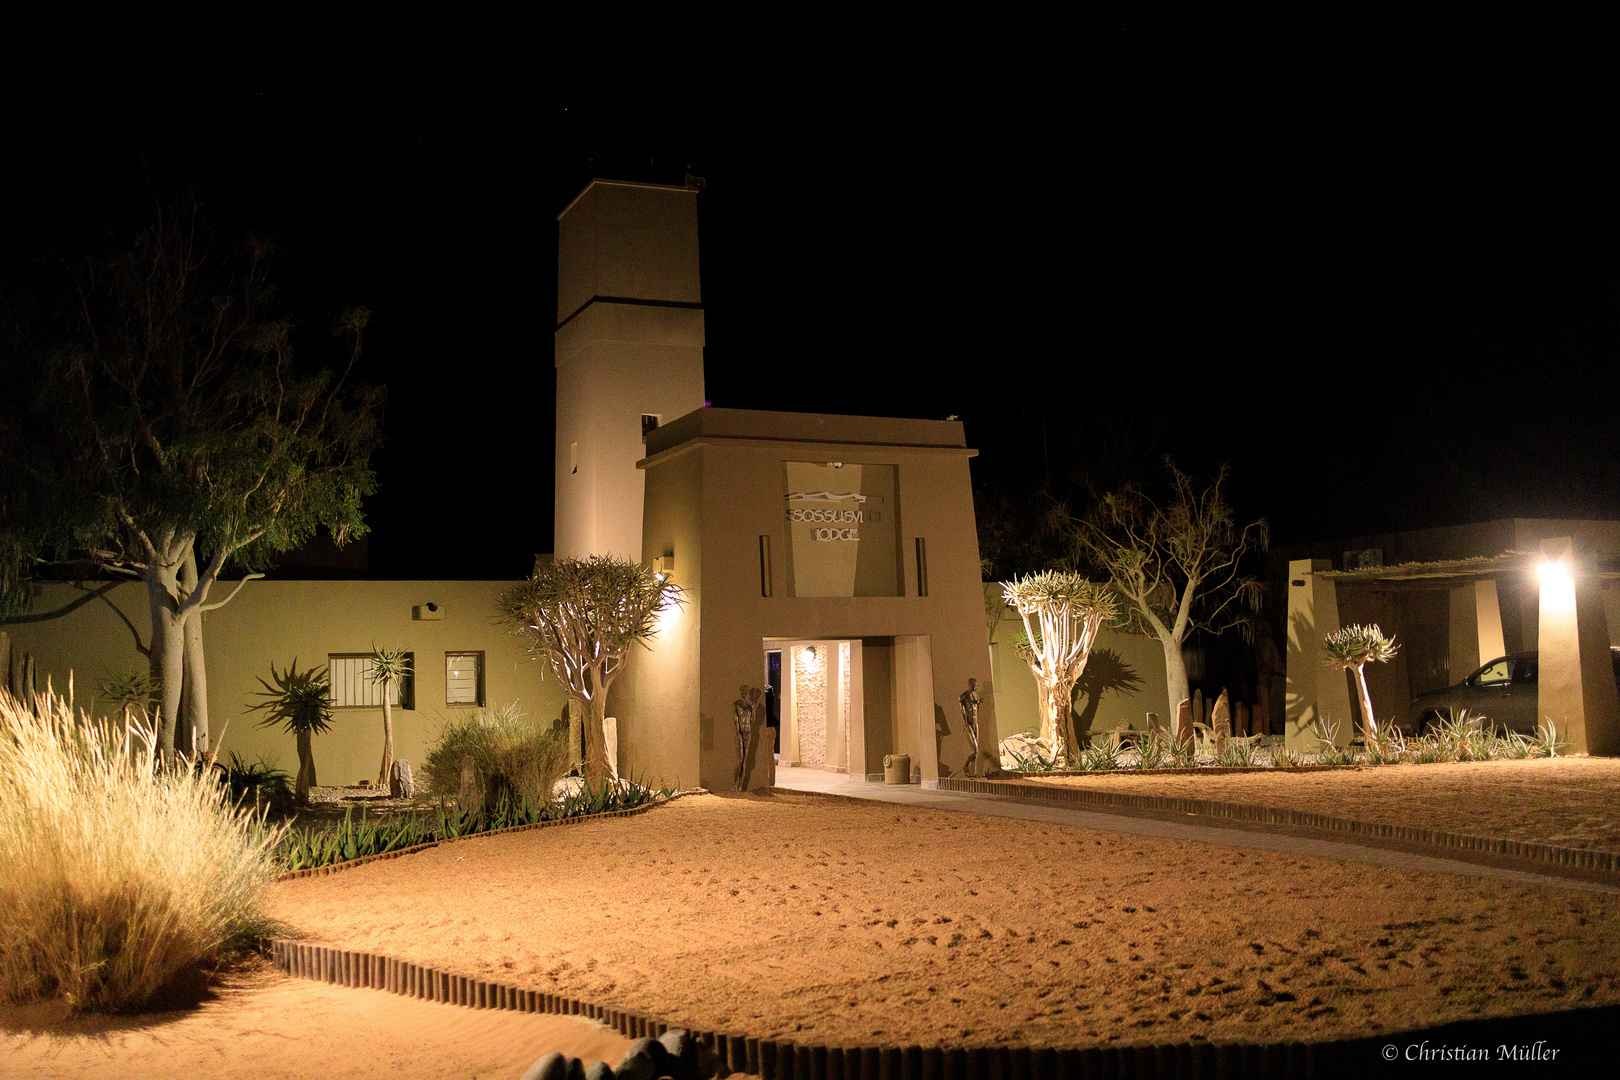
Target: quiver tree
1351 648
301 702
582 617
389 669
1062 613
1177 565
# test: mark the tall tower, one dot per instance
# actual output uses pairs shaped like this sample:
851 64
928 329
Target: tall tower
629 352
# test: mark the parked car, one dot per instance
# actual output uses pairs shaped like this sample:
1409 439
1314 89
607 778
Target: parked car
1503 691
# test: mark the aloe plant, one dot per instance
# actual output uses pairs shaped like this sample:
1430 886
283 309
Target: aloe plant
301 701
389 669
1352 648
304 848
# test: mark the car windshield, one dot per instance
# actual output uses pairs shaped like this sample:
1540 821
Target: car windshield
1499 673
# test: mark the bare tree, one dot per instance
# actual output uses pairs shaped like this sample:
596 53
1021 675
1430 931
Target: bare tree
582 617
1067 611
1177 565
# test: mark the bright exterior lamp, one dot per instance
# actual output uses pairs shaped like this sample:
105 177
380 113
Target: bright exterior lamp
1552 570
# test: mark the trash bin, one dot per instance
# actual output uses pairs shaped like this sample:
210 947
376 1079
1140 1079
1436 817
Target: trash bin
897 769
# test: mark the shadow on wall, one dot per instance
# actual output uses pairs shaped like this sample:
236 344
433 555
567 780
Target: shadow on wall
942 728
1106 672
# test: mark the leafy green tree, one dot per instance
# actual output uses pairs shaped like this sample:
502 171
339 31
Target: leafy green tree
1177 563
582 617
301 702
389 669
159 428
1062 613
1352 648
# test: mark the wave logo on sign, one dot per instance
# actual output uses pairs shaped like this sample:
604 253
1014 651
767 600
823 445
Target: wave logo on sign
832 516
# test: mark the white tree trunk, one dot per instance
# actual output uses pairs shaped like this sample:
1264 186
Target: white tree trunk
1175 678
596 762
192 735
383 778
1369 726
168 650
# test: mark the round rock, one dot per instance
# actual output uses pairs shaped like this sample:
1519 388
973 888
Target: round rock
551 1066
641 1063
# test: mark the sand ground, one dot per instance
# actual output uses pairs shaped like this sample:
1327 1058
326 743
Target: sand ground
839 922
1568 801
263 1025
827 921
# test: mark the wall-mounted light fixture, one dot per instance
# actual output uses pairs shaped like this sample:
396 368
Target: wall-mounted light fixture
1552 570
664 567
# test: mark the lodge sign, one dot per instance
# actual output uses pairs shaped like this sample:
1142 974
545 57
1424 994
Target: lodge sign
834 515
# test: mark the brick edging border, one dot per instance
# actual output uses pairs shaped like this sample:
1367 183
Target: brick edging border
784 1059
333 868
1580 863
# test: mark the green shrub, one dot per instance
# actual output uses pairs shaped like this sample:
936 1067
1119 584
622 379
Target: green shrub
1152 749
302 849
1237 752
305 848
261 785
1102 756
513 758
1283 756
120 879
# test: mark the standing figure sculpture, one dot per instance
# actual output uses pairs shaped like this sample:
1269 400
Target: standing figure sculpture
743 710
969 701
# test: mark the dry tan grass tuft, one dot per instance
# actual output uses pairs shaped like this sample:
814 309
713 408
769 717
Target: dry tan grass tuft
119 880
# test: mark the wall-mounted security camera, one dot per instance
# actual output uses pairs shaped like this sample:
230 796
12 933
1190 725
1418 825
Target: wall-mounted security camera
428 612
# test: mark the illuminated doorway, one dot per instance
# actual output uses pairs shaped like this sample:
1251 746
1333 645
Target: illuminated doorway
817 689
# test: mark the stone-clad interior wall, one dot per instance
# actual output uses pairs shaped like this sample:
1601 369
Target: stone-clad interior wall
843 711
810 669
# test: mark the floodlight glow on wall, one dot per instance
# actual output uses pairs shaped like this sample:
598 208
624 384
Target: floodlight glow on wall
1552 570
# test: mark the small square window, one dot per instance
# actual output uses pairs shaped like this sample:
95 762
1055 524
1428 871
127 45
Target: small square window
464 678
649 424
353 688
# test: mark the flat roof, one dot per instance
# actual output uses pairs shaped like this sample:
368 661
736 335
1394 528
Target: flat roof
622 183
757 425
1453 573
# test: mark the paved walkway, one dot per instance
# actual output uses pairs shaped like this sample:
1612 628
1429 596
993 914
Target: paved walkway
1262 838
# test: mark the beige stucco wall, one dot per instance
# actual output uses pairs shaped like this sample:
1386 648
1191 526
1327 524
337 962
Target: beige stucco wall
629 342
273 622
637 241
614 363
917 652
1118 654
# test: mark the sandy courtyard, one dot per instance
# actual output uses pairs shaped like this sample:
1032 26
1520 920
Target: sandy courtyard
1570 802
837 922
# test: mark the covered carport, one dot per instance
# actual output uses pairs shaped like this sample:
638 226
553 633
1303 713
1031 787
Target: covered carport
1576 686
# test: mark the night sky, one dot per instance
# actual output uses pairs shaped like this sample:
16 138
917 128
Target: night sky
1371 263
